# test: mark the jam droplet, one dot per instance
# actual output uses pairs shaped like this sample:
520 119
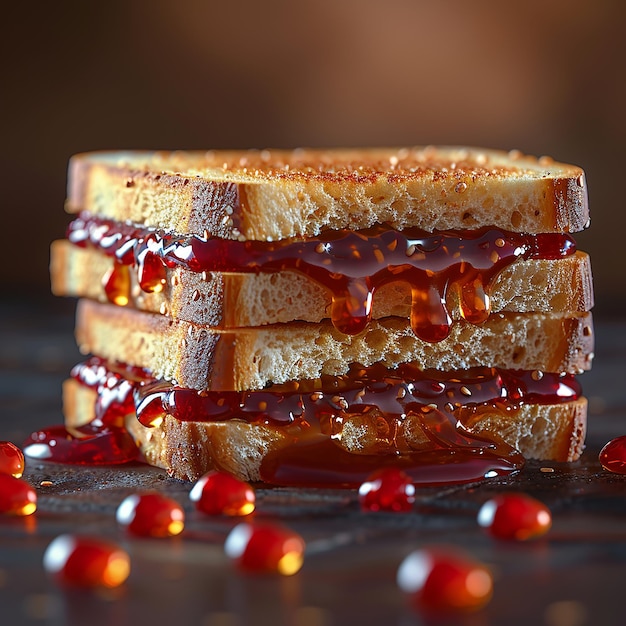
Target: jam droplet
151 515
220 493
17 497
151 273
430 320
351 308
389 489
444 580
515 516
265 549
11 459
613 456
117 285
86 562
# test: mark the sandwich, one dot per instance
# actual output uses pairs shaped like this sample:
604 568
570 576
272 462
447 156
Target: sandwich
308 317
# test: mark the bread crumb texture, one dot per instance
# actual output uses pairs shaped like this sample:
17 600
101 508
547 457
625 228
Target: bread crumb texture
269 195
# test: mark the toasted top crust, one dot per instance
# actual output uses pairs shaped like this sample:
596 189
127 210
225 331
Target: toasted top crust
267 195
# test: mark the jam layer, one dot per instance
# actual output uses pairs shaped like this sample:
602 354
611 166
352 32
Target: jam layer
312 416
351 265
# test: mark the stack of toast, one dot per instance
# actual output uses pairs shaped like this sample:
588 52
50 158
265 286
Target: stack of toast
306 317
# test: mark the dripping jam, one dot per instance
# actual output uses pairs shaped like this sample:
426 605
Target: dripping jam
351 265
311 415
104 440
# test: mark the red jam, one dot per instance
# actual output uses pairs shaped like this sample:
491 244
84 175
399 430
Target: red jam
220 493
515 516
265 549
11 459
103 441
312 414
92 444
351 265
151 515
389 489
17 497
613 455
329 399
445 580
86 562
117 284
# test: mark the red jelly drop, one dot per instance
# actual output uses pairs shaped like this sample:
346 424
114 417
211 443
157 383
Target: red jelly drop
117 284
515 516
220 493
11 459
86 562
17 497
613 455
151 515
151 273
265 549
389 489
444 580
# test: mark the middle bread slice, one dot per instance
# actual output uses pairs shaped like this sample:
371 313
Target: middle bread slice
201 357
234 300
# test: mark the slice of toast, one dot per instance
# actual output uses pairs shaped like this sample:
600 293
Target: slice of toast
201 358
231 300
270 195
550 432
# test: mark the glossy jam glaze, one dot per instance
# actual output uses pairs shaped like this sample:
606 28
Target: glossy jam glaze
104 440
311 414
351 265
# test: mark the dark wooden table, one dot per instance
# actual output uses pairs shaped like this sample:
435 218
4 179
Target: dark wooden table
572 577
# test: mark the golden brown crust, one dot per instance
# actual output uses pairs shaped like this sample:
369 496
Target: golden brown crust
276 194
237 300
250 358
556 434
189 449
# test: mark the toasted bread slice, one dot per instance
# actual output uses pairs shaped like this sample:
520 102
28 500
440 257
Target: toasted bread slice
269 195
236 300
551 432
201 358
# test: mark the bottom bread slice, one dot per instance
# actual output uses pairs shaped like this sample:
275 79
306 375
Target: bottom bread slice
187 449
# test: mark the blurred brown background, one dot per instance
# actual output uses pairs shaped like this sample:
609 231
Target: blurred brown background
546 77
